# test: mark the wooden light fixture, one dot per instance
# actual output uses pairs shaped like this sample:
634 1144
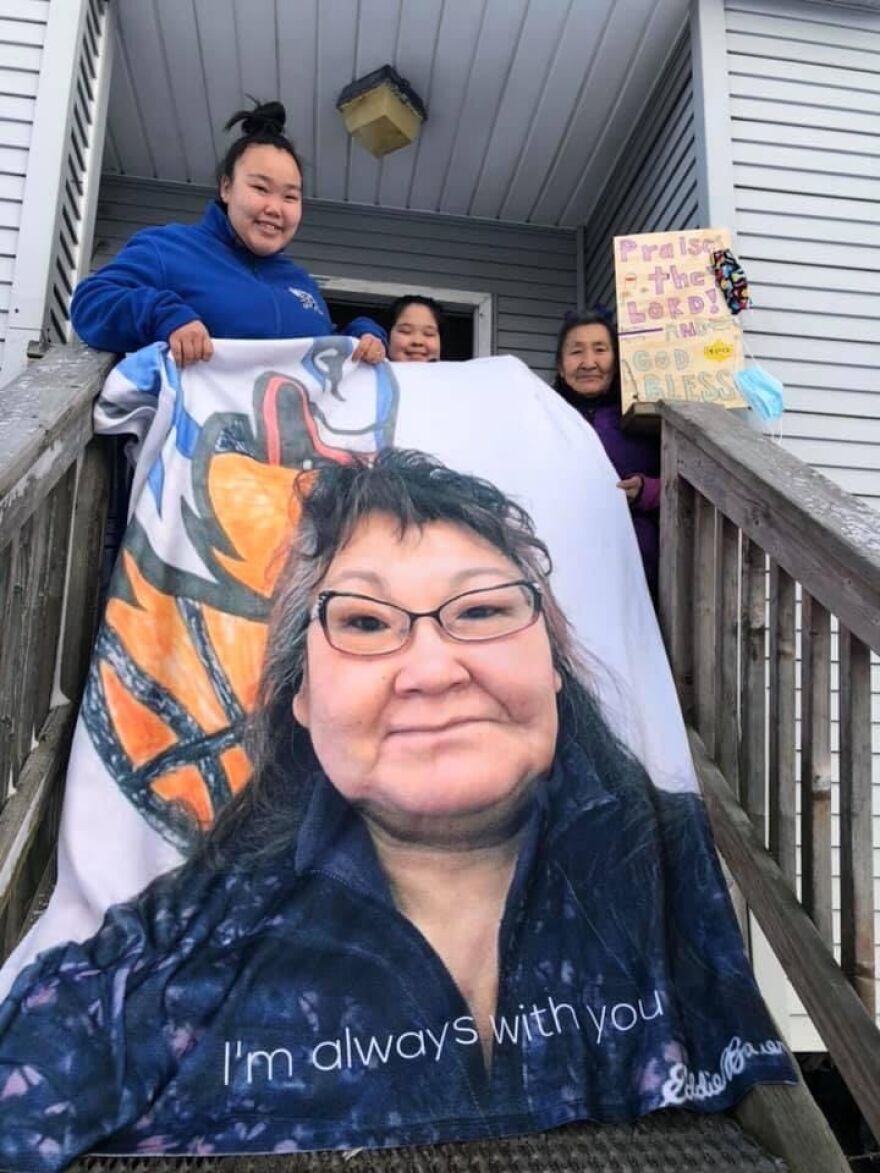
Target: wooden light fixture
382 111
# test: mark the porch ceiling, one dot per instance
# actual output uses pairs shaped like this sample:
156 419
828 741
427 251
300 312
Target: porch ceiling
529 101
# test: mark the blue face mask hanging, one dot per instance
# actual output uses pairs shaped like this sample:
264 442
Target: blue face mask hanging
762 391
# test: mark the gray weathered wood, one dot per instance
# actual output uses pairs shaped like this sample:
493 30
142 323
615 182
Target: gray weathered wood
705 638
752 753
13 651
56 579
676 570
816 764
781 781
45 423
786 1122
846 1027
822 536
856 839
726 706
26 819
86 551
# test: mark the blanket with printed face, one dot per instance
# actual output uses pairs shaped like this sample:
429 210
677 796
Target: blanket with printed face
291 1004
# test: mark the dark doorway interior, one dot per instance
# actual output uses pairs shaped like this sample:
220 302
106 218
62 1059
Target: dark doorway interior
458 334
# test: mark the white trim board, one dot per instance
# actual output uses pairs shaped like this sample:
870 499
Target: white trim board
480 303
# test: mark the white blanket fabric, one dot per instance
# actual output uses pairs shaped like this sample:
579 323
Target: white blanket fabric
282 405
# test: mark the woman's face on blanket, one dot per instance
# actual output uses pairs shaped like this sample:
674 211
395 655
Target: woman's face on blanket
263 198
587 362
436 742
415 336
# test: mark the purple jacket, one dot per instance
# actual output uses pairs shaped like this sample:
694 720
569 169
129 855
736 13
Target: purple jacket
630 454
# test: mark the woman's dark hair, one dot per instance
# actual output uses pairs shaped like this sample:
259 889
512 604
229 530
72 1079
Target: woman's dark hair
414 490
397 307
574 318
262 126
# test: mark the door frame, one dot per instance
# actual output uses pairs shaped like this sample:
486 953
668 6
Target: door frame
480 303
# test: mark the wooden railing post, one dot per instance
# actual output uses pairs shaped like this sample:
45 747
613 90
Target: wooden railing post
826 544
676 570
816 765
781 781
856 822
45 423
753 654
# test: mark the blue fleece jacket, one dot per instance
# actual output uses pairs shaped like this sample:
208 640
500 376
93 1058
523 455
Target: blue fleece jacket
165 277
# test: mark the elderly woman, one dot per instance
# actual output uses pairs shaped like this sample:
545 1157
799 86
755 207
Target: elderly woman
449 905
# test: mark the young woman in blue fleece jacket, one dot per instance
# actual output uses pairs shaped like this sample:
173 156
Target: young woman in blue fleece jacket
225 277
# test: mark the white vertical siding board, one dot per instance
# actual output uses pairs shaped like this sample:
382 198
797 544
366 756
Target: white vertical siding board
13 160
526 82
187 92
761 47
334 70
805 349
10 214
41 190
800 226
18 83
568 76
376 28
220 67
762 241
297 56
802 20
417 37
658 141
758 87
457 40
775 132
14 31
813 116
569 193
256 35
15 134
148 69
22 58
131 144
649 61
814 160
653 186
402 247
713 113
15 108
851 84
802 424
829 183
36 11
798 298
807 204
499 35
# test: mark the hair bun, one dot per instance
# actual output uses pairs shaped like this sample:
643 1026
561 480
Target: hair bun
265 118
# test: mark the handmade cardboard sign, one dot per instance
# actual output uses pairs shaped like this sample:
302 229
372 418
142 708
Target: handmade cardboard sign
678 338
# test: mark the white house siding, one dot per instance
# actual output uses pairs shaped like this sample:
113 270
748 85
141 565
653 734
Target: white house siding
531 272
54 70
22 35
653 185
791 121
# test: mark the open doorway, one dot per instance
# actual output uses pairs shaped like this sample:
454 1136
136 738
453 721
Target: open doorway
468 314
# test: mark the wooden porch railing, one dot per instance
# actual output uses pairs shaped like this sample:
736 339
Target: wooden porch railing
53 490
753 540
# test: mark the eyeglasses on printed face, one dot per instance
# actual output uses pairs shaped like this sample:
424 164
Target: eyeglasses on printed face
363 626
